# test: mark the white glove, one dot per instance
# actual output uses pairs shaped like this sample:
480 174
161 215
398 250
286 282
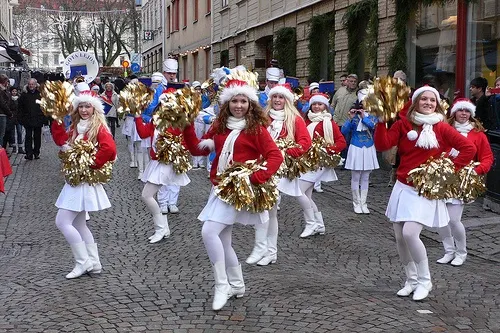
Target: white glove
454 153
65 147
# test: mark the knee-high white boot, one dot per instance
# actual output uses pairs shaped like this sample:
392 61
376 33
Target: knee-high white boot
320 224
461 252
83 264
364 206
424 285
140 163
133 161
94 258
235 278
449 251
272 246
311 226
356 201
161 228
411 280
222 290
260 247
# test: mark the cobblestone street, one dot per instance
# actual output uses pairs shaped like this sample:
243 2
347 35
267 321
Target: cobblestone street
345 281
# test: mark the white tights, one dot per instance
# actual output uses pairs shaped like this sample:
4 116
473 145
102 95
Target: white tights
217 238
455 228
148 193
305 200
360 179
410 247
74 226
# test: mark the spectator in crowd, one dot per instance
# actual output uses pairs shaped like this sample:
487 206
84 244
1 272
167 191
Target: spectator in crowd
111 102
483 111
494 99
18 128
5 104
97 82
341 91
343 104
31 117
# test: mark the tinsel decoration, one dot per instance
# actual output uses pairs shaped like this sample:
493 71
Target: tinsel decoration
319 157
291 167
76 164
434 179
444 104
251 78
134 98
56 98
235 188
386 98
169 149
177 109
471 184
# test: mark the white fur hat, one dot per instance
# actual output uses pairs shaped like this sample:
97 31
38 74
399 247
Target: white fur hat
196 84
88 96
463 104
284 90
237 87
318 98
170 66
312 86
423 89
273 74
156 77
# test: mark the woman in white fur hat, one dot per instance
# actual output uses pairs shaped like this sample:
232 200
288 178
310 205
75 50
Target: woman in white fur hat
238 134
319 123
453 235
421 134
286 123
88 123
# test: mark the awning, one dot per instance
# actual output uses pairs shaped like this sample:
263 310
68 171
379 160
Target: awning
4 56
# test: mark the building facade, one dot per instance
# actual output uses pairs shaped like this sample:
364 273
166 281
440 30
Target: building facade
187 36
6 27
153 32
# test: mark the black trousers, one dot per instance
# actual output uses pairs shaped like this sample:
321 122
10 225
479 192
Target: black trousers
33 140
112 123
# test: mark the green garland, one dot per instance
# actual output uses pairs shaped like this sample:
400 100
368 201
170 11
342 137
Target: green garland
320 25
285 50
361 23
405 10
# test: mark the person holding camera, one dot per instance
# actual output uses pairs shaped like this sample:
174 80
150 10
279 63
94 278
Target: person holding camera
361 156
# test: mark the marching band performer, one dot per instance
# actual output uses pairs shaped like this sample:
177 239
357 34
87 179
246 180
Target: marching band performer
319 123
453 235
419 135
273 75
237 135
286 123
88 123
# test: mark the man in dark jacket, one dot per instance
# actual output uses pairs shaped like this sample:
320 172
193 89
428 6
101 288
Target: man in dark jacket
31 117
5 105
483 111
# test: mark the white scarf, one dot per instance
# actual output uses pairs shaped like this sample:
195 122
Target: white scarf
427 138
236 125
361 126
463 129
325 117
276 126
81 128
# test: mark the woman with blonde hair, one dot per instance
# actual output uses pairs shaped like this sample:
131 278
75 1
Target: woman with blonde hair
285 123
420 135
89 124
453 234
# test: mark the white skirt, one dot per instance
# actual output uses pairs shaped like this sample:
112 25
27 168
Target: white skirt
218 211
129 129
406 205
361 159
454 201
322 174
84 197
289 187
146 143
163 174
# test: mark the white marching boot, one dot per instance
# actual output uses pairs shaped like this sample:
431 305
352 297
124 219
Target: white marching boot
411 280
222 289
320 225
311 226
364 206
272 249
424 285
140 164
260 247
461 252
356 202
161 228
83 264
235 278
449 251
94 258
133 159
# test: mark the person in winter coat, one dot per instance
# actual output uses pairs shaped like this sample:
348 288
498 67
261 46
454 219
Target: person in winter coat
5 104
31 117
111 102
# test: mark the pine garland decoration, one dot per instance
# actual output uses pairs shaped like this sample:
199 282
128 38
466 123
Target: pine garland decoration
285 50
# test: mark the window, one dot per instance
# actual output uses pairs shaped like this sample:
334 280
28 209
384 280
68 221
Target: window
195 10
224 58
185 14
168 21
195 66
45 59
208 63
56 59
175 18
184 67
55 42
224 3
209 6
